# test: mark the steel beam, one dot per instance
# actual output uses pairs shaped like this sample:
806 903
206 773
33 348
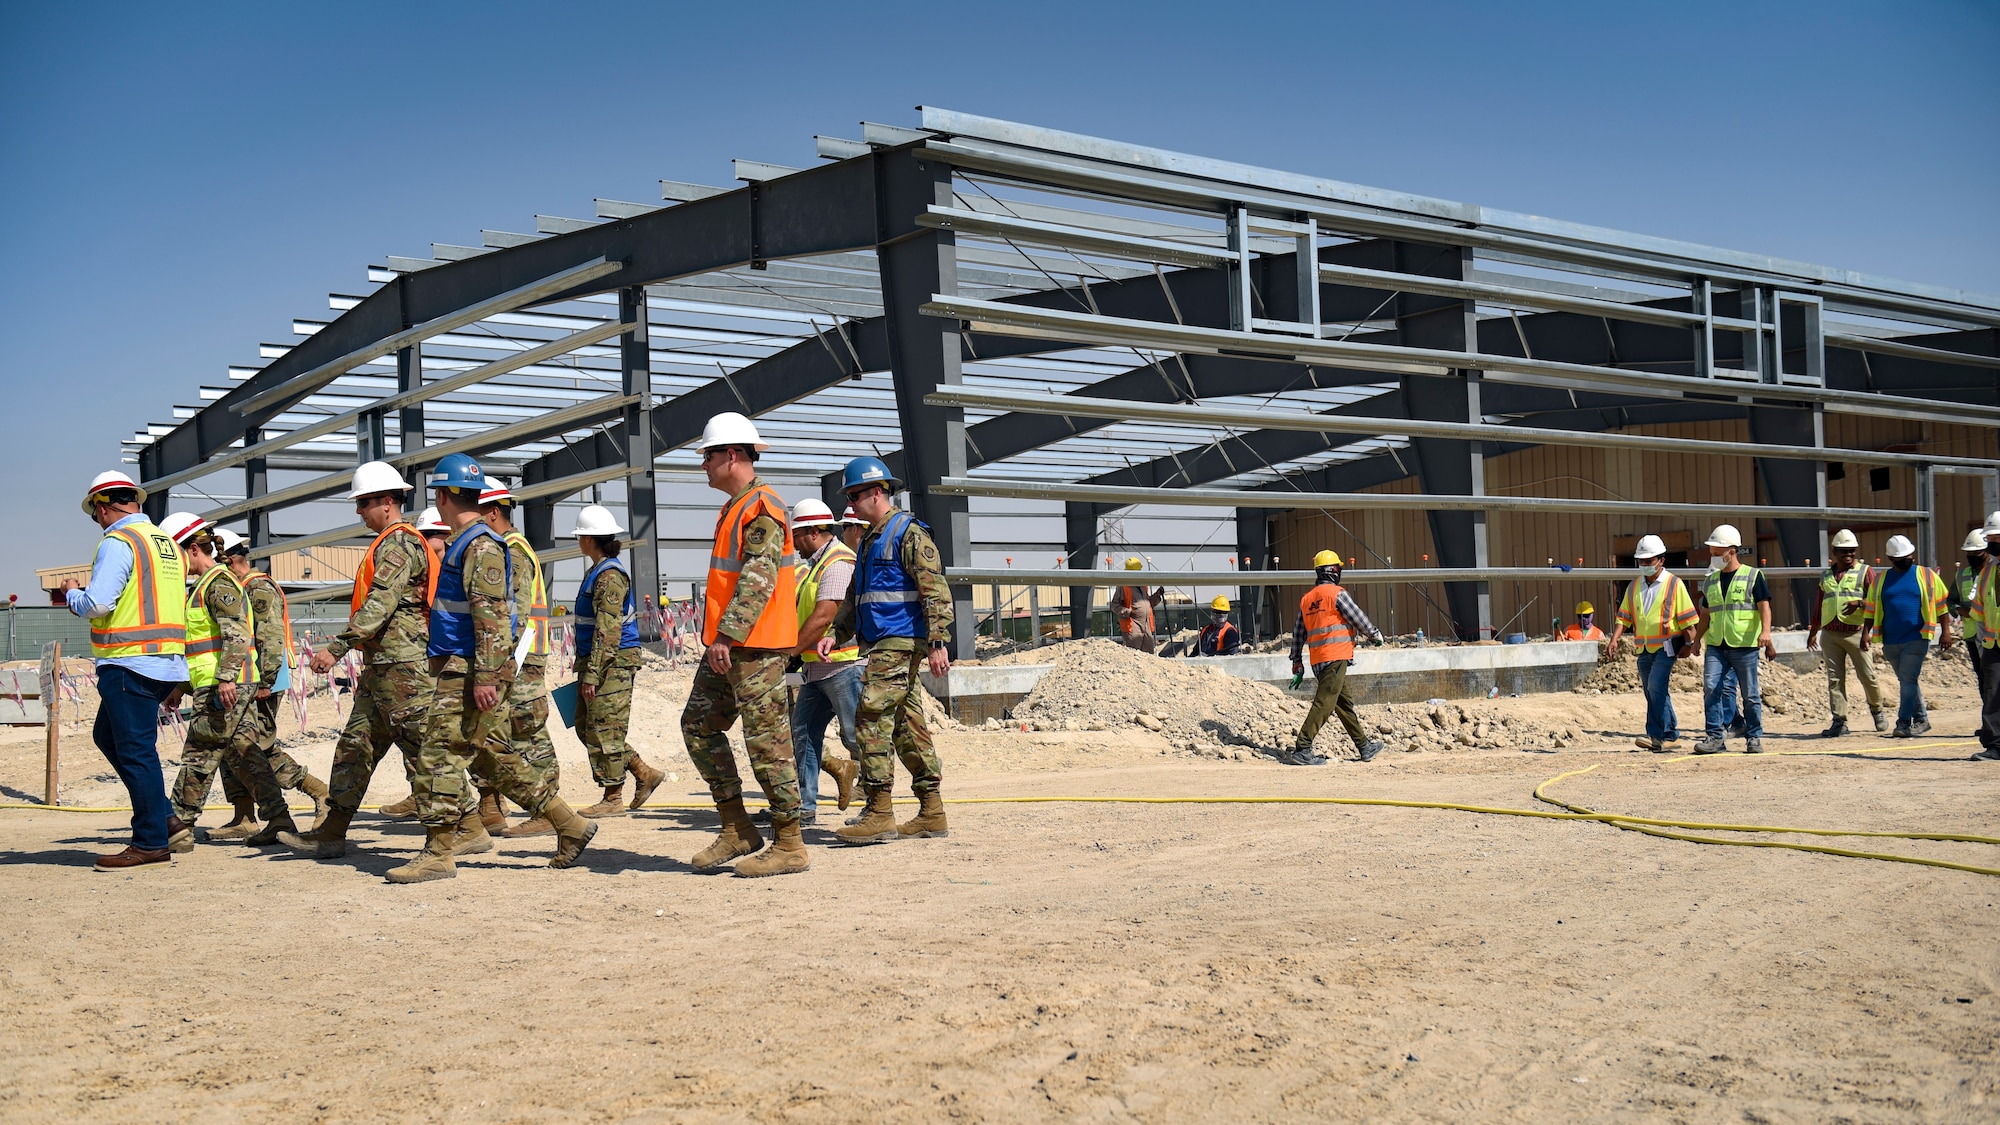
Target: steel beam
1080 543
256 482
641 497
1253 553
1351 576
410 378
1791 483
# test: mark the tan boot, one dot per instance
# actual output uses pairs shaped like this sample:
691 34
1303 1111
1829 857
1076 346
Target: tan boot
242 826
573 833
269 836
739 836
929 820
786 855
472 838
434 862
322 800
539 826
877 824
401 810
613 803
491 813
328 841
845 772
645 779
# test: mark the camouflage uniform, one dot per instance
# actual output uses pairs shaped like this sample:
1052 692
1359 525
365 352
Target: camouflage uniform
457 734
267 613
529 704
602 722
754 687
392 629
219 734
891 714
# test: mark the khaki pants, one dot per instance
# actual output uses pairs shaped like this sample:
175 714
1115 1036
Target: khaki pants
1839 650
1330 699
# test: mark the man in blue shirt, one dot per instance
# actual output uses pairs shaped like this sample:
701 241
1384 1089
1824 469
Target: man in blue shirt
1907 602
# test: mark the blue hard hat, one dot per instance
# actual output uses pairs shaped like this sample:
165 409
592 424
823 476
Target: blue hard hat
458 471
867 470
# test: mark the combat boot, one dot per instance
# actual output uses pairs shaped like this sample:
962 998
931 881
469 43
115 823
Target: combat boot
877 824
613 803
645 779
434 862
491 814
539 826
573 833
401 810
243 825
472 837
739 836
929 820
785 856
327 841
322 800
845 771
180 836
279 823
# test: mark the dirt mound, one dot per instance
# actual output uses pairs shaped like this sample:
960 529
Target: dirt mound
1445 727
1099 684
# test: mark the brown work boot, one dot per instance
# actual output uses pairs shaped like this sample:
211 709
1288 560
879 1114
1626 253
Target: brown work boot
613 803
573 833
401 810
785 856
539 826
328 841
472 838
929 821
845 771
434 862
877 824
645 779
322 801
269 836
739 836
492 813
243 825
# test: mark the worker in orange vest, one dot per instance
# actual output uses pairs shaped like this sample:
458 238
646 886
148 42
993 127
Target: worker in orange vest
1324 634
1585 628
1132 607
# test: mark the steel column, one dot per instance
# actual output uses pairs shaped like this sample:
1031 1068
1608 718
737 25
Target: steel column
410 377
1788 483
1080 541
1253 552
256 482
641 495
1927 523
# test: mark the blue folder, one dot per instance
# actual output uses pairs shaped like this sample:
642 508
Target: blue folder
564 698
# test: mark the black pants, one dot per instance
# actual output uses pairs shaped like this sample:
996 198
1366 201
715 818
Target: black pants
1989 698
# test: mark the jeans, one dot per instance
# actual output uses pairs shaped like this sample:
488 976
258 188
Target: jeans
1656 669
1908 661
1742 661
839 695
1730 697
127 731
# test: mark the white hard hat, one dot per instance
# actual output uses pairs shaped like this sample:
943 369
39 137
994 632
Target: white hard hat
230 540
850 517
375 477
1900 547
811 513
730 428
494 492
1845 538
431 521
1649 547
1975 540
1993 524
183 526
105 481
595 519
1725 535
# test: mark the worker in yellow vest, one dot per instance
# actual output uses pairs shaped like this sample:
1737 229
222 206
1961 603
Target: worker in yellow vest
1908 603
1984 615
1736 627
1962 585
1661 617
1840 629
831 684
137 610
1324 634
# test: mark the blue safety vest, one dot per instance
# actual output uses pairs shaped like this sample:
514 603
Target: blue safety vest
886 602
451 610
586 613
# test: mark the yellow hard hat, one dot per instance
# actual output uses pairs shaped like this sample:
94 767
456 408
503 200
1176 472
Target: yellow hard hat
1133 563
1325 558
1585 607
1220 604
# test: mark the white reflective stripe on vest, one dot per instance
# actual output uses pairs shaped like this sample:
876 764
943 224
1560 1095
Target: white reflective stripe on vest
880 596
454 607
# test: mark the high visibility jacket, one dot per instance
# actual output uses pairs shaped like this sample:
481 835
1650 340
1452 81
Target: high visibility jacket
150 617
451 606
1672 613
1733 620
1984 610
1328 636
1931 593
774 627
586 610
366 574
1577 633
809 575
1963 583
204 634
538 598
1142 610
1836 590
886 600
1218 640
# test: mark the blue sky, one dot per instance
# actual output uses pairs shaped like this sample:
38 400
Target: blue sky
182 180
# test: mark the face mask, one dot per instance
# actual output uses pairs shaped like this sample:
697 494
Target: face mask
1902 564
1715 563
1993 548
1649 567
1218 617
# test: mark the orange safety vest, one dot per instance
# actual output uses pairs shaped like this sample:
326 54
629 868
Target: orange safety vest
1328 636
778 625
146 620
1135 596
1576 634
364 577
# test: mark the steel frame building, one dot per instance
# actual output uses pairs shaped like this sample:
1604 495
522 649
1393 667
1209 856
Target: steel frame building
1003 310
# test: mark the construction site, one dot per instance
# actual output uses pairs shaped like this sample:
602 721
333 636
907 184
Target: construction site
1096 367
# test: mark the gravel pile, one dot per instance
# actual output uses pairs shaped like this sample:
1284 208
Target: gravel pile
1785 692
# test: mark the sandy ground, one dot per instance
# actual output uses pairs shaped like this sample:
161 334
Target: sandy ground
1115 962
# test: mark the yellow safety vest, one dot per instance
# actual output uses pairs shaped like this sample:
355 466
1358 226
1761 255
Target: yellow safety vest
1735 622
149 618
809 575
1836 591
538 605
1673 613
1983 611
204 636
1931 593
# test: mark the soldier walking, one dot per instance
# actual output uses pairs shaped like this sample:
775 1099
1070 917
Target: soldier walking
607 662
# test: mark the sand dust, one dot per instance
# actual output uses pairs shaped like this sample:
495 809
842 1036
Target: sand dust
1113 962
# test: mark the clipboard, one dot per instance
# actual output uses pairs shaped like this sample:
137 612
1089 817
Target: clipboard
564 698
